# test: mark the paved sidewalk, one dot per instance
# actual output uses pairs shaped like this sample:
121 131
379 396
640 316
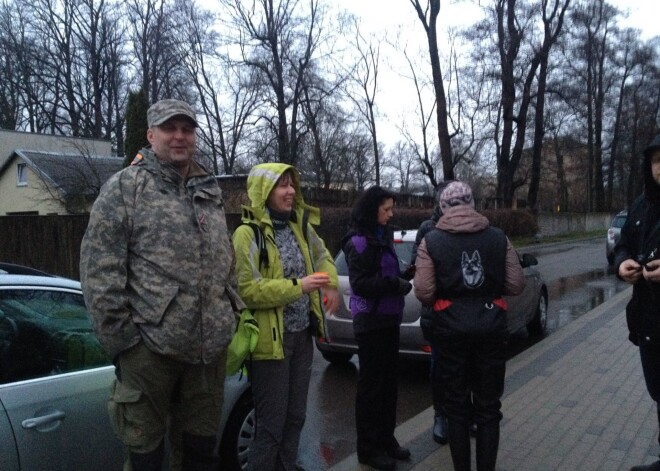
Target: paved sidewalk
575 401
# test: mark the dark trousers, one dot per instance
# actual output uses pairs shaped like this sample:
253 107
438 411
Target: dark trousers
280 388
375 402
650 355
437 392
472 369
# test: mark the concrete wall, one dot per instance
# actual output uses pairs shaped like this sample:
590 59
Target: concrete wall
562 223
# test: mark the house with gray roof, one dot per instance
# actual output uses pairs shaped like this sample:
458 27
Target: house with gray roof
36 182
11 140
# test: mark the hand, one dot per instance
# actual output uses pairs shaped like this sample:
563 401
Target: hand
631 271
404 287
651 271
331 299
314 281
408 273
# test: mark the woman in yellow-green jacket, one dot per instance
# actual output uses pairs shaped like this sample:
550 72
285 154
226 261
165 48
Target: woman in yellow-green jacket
284 274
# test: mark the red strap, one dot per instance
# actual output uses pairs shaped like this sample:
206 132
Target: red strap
501 303
441 304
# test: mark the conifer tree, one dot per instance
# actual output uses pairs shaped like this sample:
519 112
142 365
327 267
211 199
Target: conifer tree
136 124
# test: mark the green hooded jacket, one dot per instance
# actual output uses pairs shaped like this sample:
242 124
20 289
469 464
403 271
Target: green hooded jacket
264 290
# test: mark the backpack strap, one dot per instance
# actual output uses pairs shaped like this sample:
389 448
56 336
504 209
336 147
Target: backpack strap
260 240
305 221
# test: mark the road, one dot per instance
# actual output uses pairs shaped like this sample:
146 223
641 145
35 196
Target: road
577 277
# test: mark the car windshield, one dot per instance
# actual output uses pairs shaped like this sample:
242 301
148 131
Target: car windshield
403 250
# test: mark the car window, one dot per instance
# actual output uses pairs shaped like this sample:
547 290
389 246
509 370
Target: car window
403 251
619 221
45 332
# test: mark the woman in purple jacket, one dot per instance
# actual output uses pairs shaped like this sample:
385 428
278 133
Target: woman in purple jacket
377 299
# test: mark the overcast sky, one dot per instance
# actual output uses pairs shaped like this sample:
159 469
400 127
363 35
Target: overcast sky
397 19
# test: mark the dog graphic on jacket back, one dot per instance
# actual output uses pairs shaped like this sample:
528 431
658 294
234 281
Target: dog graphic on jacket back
473 271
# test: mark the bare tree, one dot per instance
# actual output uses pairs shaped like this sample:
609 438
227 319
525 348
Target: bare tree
594 22
278 40
365 76
428 17
427 160
403 161
10 66
154 25
553 21
226 92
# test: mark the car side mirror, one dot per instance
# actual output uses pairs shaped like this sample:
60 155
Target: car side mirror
528 260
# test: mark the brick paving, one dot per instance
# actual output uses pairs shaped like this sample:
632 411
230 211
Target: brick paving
576 401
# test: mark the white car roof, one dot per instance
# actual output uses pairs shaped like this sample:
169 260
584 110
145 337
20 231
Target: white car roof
43 281
405 235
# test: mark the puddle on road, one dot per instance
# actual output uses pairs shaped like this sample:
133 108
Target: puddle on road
572 296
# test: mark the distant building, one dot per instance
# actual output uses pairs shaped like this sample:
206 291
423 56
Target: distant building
37 182
49 174
12 140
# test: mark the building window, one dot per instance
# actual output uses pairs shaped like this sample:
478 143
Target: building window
21 175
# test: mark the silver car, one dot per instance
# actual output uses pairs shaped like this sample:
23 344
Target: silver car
55 380
528 309
614 234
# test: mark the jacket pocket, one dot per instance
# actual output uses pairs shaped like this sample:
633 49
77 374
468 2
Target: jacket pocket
127 415
151 305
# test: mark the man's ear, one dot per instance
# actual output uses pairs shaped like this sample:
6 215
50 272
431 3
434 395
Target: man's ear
150 136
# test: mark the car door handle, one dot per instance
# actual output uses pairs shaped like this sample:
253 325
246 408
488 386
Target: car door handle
44 419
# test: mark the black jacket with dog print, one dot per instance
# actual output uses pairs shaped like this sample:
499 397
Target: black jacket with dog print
463 268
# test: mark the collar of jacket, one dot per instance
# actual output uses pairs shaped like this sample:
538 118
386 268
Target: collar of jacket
166 172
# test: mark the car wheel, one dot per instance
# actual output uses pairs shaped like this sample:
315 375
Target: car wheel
238 435
539 323
337 357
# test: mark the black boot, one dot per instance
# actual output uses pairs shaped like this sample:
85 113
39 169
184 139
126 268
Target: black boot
488 440
396 451
440 429
458 435
150 461
649 467
199 452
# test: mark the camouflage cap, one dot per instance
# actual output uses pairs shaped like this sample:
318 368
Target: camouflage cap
163 110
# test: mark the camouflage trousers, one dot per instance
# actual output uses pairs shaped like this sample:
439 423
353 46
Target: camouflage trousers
153 394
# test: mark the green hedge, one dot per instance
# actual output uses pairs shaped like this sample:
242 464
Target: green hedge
335 221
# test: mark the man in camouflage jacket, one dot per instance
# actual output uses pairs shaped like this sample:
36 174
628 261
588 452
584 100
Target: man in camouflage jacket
157 270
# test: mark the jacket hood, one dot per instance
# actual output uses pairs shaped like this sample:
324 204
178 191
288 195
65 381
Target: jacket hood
462 219
651 187
261 181
263 178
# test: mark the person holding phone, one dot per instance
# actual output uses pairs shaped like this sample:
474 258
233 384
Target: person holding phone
637 259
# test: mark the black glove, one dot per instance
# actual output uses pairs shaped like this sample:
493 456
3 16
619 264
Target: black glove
404 287
408 273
